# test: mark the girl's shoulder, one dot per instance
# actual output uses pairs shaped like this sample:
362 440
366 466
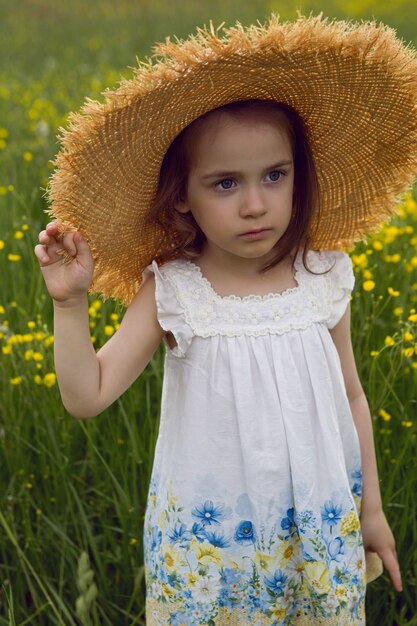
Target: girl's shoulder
335 265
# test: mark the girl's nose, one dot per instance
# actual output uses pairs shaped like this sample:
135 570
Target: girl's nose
252 204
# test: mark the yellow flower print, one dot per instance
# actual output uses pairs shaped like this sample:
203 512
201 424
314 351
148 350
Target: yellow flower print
350 523
207 553
284 553
278 612
341 592
264 561
192 578
318 576
172 558
172 498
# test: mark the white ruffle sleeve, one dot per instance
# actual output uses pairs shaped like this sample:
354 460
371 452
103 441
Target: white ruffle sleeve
169 310
342 281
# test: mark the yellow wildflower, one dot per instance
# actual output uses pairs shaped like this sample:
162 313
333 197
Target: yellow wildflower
369 285
392 292
6 349
406 423
367 274
14 258
408 336
385 416
27 156
24 226
408 352
133 541
18 234
360 260
398 311
389 341
2 310
108 330
31 325
377 245
374 352
37 356
412 317
16 381
1 244
37 379
49 380
96 304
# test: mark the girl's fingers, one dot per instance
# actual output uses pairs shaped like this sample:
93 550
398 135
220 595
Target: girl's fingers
42 254
390 561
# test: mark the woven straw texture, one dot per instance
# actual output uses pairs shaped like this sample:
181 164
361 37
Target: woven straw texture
354 86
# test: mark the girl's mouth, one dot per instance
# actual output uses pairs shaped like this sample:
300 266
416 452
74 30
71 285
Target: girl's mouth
252 235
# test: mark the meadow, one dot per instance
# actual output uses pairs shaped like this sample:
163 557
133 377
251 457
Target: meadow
73 493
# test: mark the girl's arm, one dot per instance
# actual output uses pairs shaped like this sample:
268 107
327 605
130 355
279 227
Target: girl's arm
89 382
377 535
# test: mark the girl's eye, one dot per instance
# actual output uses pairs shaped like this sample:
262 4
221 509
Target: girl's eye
274 176
225 184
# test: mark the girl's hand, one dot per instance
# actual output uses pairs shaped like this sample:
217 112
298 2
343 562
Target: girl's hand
64 280
377 537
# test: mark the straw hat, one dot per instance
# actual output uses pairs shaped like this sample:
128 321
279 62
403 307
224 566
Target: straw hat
374 567
354 85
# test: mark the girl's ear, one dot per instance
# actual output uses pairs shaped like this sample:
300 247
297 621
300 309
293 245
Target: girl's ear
182 207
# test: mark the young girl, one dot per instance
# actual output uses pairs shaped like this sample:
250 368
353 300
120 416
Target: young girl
265 458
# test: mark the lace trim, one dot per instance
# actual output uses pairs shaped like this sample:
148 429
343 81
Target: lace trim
209 314
249 298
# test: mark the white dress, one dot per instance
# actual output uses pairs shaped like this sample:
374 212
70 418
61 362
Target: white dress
253 507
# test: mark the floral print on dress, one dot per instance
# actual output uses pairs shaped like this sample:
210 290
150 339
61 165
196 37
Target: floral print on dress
302 564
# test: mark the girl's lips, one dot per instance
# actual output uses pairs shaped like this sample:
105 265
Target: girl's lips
255 234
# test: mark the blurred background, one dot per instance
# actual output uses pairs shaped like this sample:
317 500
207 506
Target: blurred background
72 494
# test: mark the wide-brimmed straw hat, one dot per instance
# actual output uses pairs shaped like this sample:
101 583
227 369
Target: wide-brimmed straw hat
354 86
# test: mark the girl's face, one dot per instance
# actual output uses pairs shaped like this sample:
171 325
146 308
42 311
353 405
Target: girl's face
240 187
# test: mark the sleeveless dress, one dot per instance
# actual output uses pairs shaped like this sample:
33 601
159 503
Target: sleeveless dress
253 508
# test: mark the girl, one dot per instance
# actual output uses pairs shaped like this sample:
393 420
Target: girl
265 457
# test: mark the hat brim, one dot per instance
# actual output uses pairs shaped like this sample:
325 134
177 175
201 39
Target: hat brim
355 88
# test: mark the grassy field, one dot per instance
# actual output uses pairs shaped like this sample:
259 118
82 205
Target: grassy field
72 493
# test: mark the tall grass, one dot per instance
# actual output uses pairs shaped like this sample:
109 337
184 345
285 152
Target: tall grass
72 493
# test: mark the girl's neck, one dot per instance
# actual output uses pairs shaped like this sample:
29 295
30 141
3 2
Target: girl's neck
243 276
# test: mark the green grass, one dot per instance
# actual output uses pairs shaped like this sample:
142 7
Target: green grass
70 487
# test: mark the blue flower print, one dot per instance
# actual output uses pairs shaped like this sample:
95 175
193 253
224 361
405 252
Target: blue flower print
276 582
199 532
336 549
156 538
305 520
288 522
357 486
217 538
245 533
230 576
180 535
208 514
331 513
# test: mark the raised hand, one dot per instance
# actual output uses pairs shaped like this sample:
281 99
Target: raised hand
65 279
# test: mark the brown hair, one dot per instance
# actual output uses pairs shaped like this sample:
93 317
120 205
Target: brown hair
173 179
